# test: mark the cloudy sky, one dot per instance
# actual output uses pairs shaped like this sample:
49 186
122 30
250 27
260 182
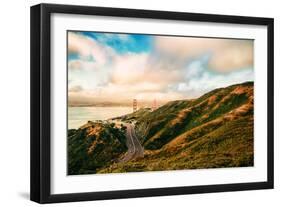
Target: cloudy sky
112 67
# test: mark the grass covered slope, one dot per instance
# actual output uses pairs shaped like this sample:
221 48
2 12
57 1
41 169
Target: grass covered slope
164 124
92 146
215 130
135 115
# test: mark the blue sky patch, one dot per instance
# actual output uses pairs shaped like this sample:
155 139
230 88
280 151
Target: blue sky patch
123 43
73 56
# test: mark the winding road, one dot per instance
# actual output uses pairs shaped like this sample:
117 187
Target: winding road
134 146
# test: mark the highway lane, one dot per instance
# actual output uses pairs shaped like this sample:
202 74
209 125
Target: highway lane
135 148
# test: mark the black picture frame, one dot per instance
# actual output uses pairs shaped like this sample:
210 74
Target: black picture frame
41 98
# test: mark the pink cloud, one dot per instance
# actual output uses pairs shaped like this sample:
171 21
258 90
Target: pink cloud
87 47
226 54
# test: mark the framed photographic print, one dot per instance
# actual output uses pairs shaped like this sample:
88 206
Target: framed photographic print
132 103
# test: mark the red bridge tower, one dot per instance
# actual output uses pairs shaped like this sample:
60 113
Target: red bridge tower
154 105
135 105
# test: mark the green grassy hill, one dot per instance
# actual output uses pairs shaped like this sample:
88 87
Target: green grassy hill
135 115
93 146
167 122
215 130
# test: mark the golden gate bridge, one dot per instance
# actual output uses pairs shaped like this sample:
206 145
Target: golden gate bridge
153 107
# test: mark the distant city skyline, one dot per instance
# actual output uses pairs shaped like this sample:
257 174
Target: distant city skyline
117 68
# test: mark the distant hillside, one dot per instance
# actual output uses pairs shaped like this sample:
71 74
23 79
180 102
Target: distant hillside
135 115
92 146
215 130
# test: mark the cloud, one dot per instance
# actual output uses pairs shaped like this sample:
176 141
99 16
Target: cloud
135 68
225 54
233 55
75 64
88 48
199 79
128 68
76 88
82 65
174 67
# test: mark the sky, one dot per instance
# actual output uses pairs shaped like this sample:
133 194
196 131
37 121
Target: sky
117 68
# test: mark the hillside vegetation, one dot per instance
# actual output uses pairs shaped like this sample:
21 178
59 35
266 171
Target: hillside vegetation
92 146
214 130
142 112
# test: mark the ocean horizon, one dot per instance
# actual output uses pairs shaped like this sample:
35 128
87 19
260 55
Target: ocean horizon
78 116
